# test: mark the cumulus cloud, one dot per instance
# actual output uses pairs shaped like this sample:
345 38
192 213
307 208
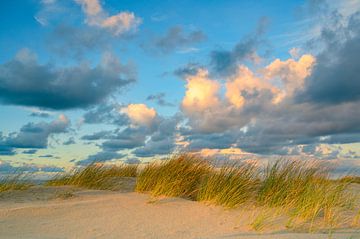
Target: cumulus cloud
225 61
100 157
117 24
335 77
140 114
33 135
108 113
23 81
201 92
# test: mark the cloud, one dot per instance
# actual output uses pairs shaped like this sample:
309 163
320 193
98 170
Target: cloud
176 39
102 156
30 151
225 61
159 99
33 135
23 81
108 113
70 141
140 114
66 40
335 77
8 168
201 93
118 24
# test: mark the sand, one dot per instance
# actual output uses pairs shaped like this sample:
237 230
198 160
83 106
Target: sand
67 212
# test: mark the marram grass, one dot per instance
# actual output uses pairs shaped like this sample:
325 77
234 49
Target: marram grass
16 182
94 176
178 177
229 186
301 189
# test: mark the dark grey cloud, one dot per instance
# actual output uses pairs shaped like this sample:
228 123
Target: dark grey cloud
33 135
40 114
127 138
8 168
97 135
188 69
70 141
102 156
336 75
225 61
107 114
159 99
23 81
132 161
162 140
30 151
48 156
175 39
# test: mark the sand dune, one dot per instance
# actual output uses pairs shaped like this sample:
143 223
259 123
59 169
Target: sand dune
66 212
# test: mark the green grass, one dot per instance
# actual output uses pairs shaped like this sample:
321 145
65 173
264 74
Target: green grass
15 182
94 176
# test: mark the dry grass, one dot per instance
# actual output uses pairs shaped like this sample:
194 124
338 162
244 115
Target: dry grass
178 177
16 182
350 179
94 176
230 186
303 190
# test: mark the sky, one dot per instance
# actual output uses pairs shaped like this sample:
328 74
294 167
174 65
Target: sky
133 81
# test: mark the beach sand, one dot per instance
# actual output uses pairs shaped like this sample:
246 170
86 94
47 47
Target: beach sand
68 212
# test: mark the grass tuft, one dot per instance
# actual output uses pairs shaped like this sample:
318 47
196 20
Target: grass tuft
94 176
178 177
14 182
230 186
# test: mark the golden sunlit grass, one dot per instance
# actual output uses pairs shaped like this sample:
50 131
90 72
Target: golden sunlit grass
230 186
302 190
94 176
16 182
178 177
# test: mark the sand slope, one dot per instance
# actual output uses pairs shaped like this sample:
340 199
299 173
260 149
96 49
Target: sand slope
39 213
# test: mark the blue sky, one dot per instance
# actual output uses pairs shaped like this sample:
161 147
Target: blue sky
130 81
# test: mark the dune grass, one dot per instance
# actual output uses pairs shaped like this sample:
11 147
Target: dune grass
303 190
178 177
14 182
94 176
229 186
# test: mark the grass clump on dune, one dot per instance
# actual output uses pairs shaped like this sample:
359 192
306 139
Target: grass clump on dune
304 189
178 177
94 176
15 182
230 186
